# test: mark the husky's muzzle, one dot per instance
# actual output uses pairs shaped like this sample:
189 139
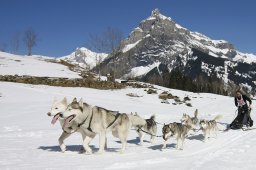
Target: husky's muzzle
166 136
68 120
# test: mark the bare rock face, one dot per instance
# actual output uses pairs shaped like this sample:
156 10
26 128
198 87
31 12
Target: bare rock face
159 45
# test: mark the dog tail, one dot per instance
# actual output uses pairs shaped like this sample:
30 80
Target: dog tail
153 117
196 113
218 117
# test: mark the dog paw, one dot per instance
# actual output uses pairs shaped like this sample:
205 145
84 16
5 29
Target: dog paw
88 152
164 147
63 148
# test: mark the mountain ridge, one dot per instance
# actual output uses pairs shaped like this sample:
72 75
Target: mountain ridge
159 39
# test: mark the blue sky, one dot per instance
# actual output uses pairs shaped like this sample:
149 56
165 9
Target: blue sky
63 25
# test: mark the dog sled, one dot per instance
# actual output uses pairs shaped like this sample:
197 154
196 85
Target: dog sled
242 120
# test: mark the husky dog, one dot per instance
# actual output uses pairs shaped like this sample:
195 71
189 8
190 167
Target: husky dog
178 130
97 120
148 126
136 120
209 127
191 121
56 110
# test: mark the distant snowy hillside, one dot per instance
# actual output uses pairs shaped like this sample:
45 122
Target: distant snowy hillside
84 57
11 64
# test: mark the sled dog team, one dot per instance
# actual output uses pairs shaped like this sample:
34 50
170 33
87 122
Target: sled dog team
89 121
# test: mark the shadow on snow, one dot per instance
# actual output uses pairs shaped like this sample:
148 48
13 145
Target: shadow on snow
74 148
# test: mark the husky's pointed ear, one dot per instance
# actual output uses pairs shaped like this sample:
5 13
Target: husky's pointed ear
81 103
135 114
74 100
131 113
164 124
64 101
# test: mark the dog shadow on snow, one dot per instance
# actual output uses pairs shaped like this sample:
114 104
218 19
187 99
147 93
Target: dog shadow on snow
199 137
135 141
56 148
75 148
159 147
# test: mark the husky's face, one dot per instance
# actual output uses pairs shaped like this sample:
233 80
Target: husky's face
203 124
72 111
57 108
167 131
184 118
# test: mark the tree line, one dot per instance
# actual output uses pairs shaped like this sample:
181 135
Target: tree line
176 79
30 39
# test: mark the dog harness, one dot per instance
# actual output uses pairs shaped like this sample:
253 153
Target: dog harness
89 127
116 116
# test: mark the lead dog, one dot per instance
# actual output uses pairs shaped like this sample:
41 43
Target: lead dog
97 120
178 130
209 127
57 108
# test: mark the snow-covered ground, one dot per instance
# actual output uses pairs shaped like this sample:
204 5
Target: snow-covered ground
141 70
29 141
11 64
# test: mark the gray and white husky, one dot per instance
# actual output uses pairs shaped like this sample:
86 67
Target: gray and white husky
209 127
191 121
148 126
97 120
178 130
57 109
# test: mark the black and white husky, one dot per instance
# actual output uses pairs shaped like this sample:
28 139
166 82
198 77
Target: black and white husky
178 130
191 121
99 121
209 127
146 126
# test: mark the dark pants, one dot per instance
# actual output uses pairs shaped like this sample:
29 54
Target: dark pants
243 118
244 112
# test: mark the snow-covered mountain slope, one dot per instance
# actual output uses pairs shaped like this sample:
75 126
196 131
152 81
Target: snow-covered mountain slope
28 141
11 64
159 39
84 57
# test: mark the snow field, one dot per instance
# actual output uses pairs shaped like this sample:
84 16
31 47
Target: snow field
29 141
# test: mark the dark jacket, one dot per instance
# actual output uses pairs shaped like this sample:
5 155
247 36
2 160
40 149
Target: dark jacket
245 98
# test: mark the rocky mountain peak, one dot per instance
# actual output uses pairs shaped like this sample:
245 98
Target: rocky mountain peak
159 45
155 13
